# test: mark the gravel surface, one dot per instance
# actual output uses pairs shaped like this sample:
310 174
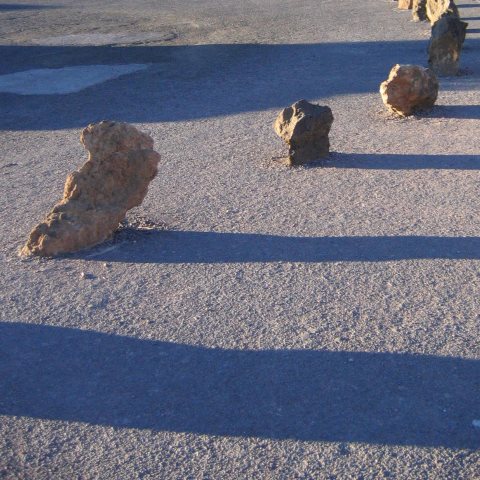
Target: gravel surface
249 320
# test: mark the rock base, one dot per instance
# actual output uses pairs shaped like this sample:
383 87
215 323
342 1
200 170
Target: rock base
305 127
445 47
409 88
436 9
115 179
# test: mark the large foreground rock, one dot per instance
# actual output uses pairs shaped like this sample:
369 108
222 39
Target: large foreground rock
305 128
436 9
419 10
115 178
445 47
409 88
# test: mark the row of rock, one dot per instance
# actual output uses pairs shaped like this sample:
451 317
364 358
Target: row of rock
305 127
448 32
431 10
121 164
122 161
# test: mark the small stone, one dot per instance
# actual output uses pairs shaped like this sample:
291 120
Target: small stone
436 9
305 127
114 179
419 10
409 88
87 276
448 35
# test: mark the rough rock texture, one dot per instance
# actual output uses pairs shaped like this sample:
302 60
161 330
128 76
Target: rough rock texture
448 35
305 128
437 9
419 10
409 88
114 179
405 4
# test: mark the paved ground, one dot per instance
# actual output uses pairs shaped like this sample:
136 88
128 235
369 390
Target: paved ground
282 323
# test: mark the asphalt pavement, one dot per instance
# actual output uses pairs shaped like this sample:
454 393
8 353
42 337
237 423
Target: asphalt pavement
318 322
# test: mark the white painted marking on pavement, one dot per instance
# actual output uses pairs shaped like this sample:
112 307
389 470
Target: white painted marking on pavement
61 81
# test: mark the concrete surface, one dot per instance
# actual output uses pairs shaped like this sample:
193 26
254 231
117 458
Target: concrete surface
61 81
318 322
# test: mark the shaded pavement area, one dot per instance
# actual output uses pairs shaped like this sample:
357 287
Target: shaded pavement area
388 398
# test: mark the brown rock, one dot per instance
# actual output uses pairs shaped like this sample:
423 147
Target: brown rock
409 88
448 35
114 179
305 128
436 9
419 10
405 4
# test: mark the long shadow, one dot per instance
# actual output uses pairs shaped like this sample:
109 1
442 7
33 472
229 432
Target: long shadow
213 247
379 398
9 7
471 112
400 162
201 81
197 81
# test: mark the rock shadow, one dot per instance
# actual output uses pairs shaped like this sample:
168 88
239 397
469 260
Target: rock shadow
386 161
467 112
14 7
74 375
216 247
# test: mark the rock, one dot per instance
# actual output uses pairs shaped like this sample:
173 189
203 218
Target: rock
114 179
419 10
305 128
436 9
409 88
448 35
405 4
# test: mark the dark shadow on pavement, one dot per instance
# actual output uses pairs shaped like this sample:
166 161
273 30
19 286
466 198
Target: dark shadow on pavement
399 162
197 81
214 247
202 81
72 375
14 7
453 111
